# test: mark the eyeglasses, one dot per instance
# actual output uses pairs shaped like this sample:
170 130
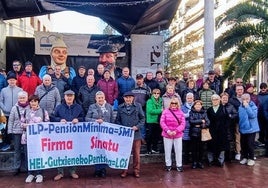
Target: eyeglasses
15 65
173 103
156 93
239 82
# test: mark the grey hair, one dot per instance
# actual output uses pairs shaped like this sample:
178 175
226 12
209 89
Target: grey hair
189 95
245 96
215 96
22 94
46 76
99 93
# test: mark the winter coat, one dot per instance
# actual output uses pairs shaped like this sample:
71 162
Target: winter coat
236 103
3 82
8 98
205 97
153 110
109 88
124 85
248 121
77 83
262 98
63 111
29 82
218 129
14 120
215 85
95 112
231 119
152 84
142 94
61 83
189 90
195 120
186 108
133 116
167 98
168 122
86 96
50 97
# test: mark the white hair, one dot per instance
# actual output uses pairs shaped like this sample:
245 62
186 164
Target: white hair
46 76
22 94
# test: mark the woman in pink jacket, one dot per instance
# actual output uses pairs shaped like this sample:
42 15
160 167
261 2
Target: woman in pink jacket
173 123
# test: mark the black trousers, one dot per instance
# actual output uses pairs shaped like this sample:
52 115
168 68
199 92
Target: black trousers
247 145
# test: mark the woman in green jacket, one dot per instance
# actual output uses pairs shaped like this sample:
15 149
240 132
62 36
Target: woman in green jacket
154 107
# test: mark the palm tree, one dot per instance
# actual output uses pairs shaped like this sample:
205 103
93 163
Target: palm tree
248 36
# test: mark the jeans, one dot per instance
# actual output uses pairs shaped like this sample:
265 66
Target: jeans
18 149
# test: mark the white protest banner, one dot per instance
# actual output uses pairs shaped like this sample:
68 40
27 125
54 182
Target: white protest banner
52 145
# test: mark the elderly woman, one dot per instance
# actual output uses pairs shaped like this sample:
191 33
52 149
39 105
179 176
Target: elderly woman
33 115
17 113
170 93
248 126
173 123
100 112
218 129
154 109
49 95
198 120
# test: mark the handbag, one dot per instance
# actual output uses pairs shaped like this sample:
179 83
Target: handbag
205 134
175 116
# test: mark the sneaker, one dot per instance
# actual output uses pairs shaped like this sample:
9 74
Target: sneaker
148 153
155 152
39 178
74 176
29 179
251 162
243 161
5 147
58 177
238 156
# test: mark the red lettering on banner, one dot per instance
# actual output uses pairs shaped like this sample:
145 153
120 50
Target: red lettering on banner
47 144
107 145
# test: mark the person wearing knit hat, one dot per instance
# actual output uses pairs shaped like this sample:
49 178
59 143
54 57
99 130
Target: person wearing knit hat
249 88
58 54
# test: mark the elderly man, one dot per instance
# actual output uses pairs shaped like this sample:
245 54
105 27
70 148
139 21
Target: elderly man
49 95
58 56
86 94
108 55
68 111
130 114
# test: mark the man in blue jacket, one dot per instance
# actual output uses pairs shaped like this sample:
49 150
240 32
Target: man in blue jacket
68 111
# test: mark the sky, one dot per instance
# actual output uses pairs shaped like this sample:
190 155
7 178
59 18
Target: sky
74 22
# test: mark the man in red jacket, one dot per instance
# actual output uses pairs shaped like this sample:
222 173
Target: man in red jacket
28 80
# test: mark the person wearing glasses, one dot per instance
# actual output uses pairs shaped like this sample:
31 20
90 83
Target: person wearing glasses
238 82
218 130
17 68
173 124
154 107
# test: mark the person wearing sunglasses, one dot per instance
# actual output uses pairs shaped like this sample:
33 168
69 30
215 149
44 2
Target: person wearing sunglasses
172 123
154 107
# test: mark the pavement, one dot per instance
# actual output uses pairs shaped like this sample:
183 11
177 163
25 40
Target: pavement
153 175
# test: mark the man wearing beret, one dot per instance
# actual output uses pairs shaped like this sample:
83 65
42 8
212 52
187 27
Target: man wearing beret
130 114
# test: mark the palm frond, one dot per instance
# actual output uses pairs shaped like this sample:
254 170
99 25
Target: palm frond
242 12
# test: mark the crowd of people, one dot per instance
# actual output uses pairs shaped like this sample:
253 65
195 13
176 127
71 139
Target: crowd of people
159 108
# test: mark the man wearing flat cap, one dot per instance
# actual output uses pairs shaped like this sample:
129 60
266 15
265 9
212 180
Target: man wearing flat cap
58 54
68 111
130 114
108 55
